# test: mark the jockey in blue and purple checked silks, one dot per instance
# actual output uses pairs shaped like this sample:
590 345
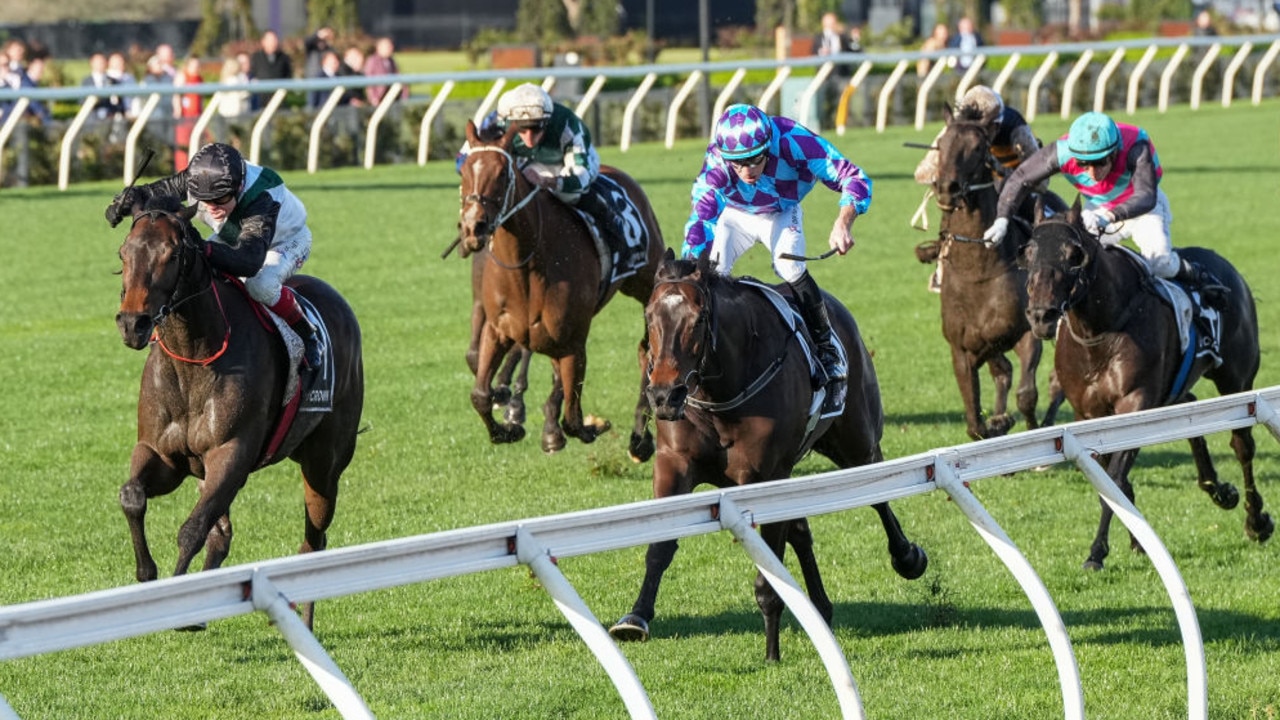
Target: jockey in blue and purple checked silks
757 170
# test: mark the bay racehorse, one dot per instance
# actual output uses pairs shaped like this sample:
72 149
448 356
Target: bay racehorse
730 383
214 390
542 286
984 296
1118 350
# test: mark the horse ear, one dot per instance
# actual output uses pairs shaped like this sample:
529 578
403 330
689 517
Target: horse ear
1073 214
188 212
473 138
947 115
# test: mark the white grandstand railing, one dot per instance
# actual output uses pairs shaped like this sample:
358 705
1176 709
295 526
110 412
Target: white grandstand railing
1045 55
272 586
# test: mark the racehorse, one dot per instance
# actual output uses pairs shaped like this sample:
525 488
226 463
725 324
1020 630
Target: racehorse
731 388
214 390
983 292
542 285
1118 350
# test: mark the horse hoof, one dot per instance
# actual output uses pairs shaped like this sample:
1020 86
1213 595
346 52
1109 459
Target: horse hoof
1261 530
641 447
1226 496
912 564
999 426
507 434
552 442
631 628
514 414
1092 564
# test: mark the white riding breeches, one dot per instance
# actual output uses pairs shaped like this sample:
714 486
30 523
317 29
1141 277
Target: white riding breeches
1150 233
736 231
283 260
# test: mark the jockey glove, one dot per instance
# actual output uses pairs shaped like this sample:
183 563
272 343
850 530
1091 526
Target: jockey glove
122 205
997 231
1095 221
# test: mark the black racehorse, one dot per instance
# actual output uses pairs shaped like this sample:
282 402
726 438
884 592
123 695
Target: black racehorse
1118 349
984 296
214 390
730 386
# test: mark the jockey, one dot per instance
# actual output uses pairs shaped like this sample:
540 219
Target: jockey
1116 169
1011 138
557 154
259 228
756 172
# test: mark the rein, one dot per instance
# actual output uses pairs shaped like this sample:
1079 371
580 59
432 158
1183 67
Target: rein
506 209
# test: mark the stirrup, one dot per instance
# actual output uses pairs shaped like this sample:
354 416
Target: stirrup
311 351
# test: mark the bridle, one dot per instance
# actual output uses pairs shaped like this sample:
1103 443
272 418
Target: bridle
1081 276
508 206
708 320
967 187
188 256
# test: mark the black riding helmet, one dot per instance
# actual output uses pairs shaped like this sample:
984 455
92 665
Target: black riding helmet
216 170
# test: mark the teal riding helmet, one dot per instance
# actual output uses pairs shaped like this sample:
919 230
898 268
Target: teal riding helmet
1093 136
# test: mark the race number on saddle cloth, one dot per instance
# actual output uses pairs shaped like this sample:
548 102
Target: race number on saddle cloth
553 149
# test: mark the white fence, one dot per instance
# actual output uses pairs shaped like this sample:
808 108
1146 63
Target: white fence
1101 62
271 587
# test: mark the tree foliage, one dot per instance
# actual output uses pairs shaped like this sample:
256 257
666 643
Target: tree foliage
341 15
222 21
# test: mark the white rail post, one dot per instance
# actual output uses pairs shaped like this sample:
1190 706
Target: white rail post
489 100
309 651
1197 78
922 95
1166 77
206 116
260 127
590 95
317 127
773 87
1260 73
673 112
971 74
1135 80
10 122
371 133
6 712
1267 415
1033 90
733 520
1069 85
1197 674
806 97
633 106
1229 77
69 140
424 130
886 94
1100 87
538 558
723 98
1002 79
135 131
1037 593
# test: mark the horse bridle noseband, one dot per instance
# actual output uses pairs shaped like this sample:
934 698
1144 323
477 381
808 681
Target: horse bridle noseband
506 209
187 254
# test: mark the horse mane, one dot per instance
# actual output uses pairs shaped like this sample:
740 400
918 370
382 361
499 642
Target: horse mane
969 114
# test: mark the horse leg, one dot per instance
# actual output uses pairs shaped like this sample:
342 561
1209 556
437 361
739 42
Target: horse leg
1002 377
217 544
552 435
1028 350
217 490
573 372
800 537
1056 398
908 559
635 624
1224 495
775 536
517 363
491 348
641 447
1258 525
149 476
1117 465
970 393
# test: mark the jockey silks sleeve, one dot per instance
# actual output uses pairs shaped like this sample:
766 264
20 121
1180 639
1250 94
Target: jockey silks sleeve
798 159
566 144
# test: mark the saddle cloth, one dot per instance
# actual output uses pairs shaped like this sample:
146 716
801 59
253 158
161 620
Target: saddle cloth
317 394
624 260
1185 305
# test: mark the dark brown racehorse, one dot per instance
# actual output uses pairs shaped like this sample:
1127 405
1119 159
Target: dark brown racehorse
1118 350
542 286
213 389
731 390
983 292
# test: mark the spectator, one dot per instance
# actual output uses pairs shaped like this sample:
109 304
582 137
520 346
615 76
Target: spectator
936 41
382 62
1204 25
833 41
234 103
967 41
187 107
119 73
155 74
268 62
353 66
108 106
316 45
330 69
165 56
855 39
16 77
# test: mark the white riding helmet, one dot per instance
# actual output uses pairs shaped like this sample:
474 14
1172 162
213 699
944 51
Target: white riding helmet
983 99
527 104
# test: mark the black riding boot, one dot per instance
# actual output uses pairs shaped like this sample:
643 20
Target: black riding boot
1194 277
310 342
607 219
814 312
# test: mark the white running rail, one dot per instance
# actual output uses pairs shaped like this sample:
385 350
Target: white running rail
270 587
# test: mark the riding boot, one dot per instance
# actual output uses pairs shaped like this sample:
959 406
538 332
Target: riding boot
290 311
1195 278
814 311
607 220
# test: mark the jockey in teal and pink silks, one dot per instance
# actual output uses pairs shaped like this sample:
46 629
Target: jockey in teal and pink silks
757 170
1116 170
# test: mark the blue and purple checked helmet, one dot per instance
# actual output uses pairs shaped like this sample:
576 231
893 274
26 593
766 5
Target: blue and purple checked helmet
743 131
